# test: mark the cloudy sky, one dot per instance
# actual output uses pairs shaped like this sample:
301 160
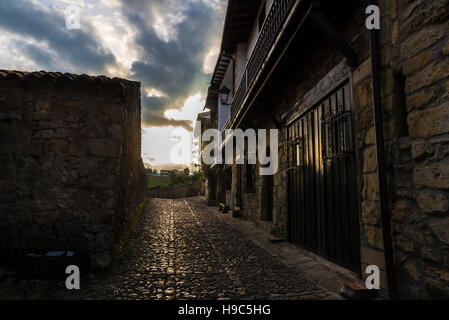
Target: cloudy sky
170 46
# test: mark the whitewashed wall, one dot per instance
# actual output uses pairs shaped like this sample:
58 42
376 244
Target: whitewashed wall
223 110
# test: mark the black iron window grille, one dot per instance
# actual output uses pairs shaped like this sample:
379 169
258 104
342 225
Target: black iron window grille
296 153
336 136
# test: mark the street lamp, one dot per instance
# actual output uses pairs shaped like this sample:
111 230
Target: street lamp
224 95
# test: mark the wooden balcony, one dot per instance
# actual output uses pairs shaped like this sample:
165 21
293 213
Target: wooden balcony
268 34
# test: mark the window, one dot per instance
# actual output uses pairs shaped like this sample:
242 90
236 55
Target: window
262 16
250 178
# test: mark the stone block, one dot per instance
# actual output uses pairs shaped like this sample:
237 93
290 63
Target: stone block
101 260
370 137
395 32
384 32
77 149
412 269
416 63
446 90
105 182
371 213
115 131
428 76
44 134
421 149
446 49
385 56
35 149
404 245
372 257
420 41
441 230
374 236
100 228
103 148
414 237
388 82
437 290
401 210
363 95
439 272
432 176
370 160
362 72
394 9
370 189
104 241
57 146
433 201
429 122
419 99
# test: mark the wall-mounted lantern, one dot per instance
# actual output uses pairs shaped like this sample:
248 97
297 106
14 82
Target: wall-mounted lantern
224 95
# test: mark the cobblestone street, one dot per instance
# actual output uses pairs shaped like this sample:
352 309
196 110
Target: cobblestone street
181 250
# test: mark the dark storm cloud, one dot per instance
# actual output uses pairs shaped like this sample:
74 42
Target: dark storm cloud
174 67
153 109
35 53
78 47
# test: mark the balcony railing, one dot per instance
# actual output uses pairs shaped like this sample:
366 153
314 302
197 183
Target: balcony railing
270 29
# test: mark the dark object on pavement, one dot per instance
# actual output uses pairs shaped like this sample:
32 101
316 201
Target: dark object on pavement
357 291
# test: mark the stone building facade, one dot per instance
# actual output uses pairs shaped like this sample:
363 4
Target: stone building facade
316 72
71 167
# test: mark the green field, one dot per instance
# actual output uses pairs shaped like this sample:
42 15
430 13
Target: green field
157 182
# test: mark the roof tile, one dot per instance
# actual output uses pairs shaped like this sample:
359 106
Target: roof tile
58 76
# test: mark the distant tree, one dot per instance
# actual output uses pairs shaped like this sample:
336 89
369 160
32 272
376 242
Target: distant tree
186 171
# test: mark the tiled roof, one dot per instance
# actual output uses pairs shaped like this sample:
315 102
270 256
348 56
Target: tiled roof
58 76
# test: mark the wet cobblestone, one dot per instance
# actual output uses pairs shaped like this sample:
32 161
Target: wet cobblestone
180 250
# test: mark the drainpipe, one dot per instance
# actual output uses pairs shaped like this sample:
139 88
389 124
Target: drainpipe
383 192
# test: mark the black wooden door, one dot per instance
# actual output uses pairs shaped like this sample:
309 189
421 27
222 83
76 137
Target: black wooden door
321 181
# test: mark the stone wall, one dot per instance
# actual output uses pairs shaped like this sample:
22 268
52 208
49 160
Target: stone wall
413 73
414 56
71 168
416 105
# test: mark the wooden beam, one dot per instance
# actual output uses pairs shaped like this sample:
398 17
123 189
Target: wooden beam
328 28
275 120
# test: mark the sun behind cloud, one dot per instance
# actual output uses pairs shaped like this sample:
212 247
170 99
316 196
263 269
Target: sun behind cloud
168 46
156 151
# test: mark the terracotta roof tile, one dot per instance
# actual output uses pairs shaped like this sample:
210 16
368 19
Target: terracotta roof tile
58 76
